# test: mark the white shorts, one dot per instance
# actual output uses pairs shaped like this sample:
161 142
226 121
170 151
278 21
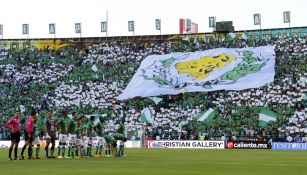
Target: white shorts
36 141
88 141
63 138
95 141
83 142
72 138
78 142
101 141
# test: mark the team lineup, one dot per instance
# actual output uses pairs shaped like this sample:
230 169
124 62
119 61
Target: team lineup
75 134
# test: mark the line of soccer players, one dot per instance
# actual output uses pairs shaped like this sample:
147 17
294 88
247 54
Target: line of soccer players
75 134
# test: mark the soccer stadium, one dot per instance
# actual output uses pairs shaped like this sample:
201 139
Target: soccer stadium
224 101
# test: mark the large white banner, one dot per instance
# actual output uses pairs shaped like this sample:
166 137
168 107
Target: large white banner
186 144
211 70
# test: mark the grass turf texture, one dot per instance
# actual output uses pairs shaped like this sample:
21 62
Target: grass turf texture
167 161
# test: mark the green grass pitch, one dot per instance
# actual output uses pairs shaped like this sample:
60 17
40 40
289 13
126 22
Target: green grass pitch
168 162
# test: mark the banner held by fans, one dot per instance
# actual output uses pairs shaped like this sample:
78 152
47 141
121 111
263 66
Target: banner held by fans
211 70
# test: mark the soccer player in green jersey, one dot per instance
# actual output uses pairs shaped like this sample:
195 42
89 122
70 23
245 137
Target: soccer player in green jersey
98 128
62 123
111 142
72 136
89 135
82 134
122 139
38 127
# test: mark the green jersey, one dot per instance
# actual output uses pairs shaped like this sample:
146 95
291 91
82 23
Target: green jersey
81 130
118 136
99 127
89 128
73 126
110 139
37 128
63 125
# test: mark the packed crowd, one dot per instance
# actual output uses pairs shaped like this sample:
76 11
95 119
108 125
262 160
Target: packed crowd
88 80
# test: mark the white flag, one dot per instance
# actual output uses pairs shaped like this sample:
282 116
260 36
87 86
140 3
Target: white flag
202 71
130 26
104 26
78 28
287 17
51 28
25 28
146 116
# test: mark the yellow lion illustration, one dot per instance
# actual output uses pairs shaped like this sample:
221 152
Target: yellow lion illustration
201 68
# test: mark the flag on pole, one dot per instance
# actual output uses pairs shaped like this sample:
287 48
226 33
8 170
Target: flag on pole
265 116
77 27
25 29
206 116
104 27
287 17
158 24
146 116
130 26
257 19
212 22
52 28
157 100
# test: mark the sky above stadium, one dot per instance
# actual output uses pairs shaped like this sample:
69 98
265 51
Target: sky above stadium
38 14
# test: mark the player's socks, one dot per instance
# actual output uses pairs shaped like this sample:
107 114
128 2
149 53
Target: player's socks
63 151
100 151
119 150
122 152
37 151
77 152
10 152
73 152
51 152
69 151
30 152
15 151
59 151
23 150
47 155
90 151
97 150
106 152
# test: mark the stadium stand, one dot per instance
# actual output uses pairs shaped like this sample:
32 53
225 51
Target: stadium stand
87 80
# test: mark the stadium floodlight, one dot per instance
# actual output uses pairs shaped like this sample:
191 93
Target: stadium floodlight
287 17
52 28
131 26
212 22
257 19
